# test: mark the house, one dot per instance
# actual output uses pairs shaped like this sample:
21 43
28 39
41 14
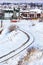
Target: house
31 14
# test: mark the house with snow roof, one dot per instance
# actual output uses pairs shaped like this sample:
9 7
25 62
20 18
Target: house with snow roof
31 14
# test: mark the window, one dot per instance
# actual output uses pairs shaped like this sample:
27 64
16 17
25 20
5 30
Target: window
32 15
38 15
24 14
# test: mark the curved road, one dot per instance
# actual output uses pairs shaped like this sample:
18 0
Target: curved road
17 48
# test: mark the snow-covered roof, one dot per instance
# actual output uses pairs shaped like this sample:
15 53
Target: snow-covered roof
36 10
7 9
24 10
32 10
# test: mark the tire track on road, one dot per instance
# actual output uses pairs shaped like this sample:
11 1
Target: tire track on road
17 48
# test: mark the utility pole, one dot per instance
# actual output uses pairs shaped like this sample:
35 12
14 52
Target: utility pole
2 17
1 22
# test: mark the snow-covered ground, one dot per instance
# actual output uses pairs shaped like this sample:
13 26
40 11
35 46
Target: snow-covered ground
36 29
33 27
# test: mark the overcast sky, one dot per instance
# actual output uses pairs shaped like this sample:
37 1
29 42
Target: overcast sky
13 1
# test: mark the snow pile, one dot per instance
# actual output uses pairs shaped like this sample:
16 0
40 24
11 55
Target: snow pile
8 30
36 10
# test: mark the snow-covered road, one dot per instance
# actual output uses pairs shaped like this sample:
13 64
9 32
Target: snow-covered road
9 46
34 29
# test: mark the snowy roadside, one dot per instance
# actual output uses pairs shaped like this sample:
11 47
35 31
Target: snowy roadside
37 32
